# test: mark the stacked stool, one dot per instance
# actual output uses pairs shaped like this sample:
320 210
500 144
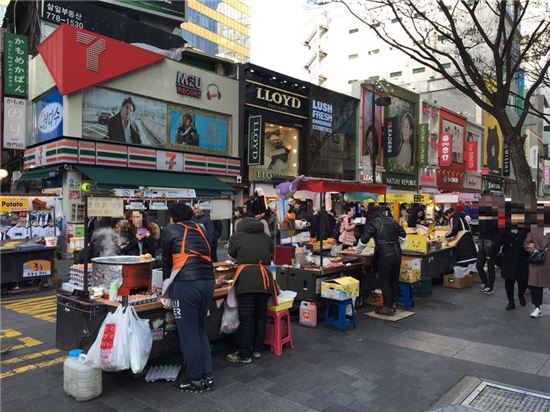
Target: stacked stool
279 333
406 298
341 320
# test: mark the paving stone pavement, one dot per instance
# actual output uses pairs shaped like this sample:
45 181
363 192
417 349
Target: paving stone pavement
402 366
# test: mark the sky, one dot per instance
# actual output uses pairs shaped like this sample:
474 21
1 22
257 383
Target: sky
277 33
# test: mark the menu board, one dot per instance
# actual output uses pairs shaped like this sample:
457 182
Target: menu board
105 207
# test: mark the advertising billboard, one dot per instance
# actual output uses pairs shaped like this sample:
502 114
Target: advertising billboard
123 117
48 117
400 146
493 145
430 116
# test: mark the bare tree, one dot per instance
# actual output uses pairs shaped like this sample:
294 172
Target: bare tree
488 43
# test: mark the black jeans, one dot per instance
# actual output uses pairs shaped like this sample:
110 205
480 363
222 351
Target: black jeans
388 274
536 295
252 322
214 250
482 258
509 285
191 301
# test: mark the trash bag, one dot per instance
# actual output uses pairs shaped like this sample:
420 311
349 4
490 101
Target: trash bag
460 272
110 351
230 320
141 341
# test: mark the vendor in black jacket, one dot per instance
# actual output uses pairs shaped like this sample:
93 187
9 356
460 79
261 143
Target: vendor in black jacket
192 274
386 233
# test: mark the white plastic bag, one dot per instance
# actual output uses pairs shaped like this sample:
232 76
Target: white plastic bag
110 352
141 341
230 320
460 272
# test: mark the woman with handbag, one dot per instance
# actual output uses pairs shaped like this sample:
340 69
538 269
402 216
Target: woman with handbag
536 244
508 253
461 237
253 284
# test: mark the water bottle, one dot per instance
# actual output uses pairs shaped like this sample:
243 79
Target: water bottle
80 380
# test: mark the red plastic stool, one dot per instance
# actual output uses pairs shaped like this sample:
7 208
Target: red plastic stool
278 333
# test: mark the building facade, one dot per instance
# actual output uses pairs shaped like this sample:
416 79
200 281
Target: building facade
219 27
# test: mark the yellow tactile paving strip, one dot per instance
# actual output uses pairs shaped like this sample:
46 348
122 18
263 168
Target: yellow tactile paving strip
43 307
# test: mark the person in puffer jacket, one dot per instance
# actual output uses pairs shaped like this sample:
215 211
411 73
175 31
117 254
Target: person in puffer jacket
252 248
187 263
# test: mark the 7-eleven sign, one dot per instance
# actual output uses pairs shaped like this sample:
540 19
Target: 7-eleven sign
170 161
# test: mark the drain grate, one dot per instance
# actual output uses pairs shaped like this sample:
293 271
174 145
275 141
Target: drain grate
489 396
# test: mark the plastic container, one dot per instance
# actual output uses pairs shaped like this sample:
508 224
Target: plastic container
308 314
80 380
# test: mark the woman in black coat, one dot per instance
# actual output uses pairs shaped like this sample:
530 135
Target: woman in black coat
508 253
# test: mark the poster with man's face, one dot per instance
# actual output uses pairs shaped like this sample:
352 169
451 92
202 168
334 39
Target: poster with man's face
401 157
193 129
123 117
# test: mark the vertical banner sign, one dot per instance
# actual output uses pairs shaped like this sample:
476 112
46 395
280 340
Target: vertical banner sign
423 144
445 149
16 65
15 122
506 163
471 156
255 141
390 126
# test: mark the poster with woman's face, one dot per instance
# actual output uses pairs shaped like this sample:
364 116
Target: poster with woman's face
458 140
430 116
401 157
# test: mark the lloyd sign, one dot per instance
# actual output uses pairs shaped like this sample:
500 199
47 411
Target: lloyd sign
276 100
255 141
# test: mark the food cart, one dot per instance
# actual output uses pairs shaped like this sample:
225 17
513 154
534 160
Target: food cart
28 239
306 280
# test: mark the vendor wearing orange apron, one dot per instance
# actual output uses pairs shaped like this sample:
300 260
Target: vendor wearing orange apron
253 284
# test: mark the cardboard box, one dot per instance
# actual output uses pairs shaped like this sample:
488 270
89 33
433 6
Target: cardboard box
409 275
475 277
449 281
413 263
340 288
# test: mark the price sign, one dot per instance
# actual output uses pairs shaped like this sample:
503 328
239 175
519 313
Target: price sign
105 207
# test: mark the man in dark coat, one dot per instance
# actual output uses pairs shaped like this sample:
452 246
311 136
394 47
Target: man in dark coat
251 246
206 222
508 252
386 233
121 127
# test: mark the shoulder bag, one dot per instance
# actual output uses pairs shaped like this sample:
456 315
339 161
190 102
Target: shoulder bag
538 256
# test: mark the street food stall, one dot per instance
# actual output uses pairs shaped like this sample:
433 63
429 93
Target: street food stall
28 239
307 273
98 287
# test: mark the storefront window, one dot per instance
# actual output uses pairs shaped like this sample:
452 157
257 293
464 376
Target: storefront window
281 153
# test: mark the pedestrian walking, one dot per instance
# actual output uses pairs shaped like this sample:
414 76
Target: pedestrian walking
187 271
539 274
210 230
508 253
252 248
488 230
387 256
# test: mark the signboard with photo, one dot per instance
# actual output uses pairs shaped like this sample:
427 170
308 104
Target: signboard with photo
457 133
370 144
123 117
401 157
430 116
193 129
493 145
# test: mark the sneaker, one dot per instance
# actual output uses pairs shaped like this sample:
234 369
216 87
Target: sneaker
190 386
483 286
208 384
256 355
537 313
511 305
488 291
236 358
522 300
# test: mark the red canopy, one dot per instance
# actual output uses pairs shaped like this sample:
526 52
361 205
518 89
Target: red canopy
321 186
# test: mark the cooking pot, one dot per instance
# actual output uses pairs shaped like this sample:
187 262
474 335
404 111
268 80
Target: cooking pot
131 272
